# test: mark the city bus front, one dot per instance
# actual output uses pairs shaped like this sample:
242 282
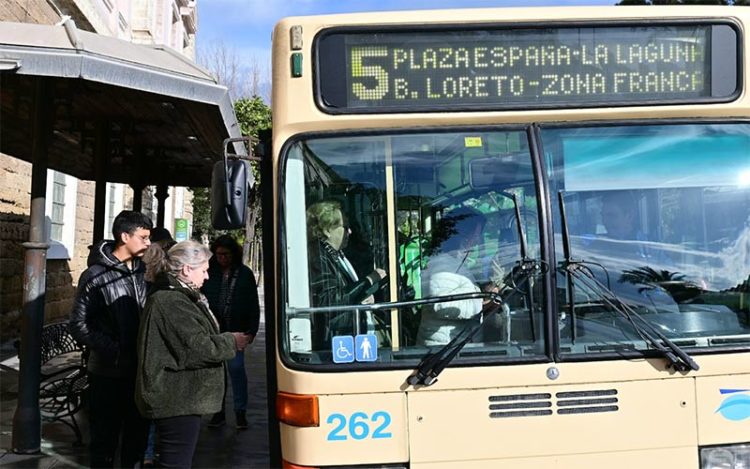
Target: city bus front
559 288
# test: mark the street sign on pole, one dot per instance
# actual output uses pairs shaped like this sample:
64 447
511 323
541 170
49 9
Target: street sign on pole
180 229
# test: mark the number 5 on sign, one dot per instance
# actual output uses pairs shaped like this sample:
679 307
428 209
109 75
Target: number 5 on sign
359 426
374 73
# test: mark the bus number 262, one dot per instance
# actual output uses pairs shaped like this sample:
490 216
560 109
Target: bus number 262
359 424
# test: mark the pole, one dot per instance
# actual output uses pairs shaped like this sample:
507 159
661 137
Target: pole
27 420
101 161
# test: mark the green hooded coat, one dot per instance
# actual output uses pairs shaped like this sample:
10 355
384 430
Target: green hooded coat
181 354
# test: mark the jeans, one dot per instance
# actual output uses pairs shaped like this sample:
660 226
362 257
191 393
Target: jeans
112 411
236 368
150 453
178 437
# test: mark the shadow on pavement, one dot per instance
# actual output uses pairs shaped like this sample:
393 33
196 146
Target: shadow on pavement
222 447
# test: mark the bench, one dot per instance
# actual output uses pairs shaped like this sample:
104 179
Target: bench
63 377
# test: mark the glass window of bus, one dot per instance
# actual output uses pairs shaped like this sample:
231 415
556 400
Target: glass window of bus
433 214
660 215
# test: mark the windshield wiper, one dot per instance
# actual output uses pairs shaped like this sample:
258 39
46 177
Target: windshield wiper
525 266
677 358
433 364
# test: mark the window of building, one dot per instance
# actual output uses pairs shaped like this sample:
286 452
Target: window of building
122 22
58 205
60 214
113 206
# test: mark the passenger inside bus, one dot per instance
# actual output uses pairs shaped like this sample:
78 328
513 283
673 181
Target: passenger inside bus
635 264
619 215
333 279
448 273
621 218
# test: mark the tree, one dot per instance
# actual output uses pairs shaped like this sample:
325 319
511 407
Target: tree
253 114
202 228
243 76
254 117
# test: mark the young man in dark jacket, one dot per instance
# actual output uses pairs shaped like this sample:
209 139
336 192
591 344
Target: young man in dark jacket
111 295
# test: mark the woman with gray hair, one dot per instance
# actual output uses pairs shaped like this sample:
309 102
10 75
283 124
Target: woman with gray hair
181 352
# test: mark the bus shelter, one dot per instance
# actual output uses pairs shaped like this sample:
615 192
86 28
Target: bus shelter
106 110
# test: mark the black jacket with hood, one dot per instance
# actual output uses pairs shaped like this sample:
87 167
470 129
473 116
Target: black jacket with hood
244 308
107 311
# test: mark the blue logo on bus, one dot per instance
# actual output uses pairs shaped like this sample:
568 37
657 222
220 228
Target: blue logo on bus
737 406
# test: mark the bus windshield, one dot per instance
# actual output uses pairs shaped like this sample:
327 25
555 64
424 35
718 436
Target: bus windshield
658 215
373 218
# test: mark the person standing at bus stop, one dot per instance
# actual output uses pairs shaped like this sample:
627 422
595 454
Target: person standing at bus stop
105 318
232 294
181 351
162 239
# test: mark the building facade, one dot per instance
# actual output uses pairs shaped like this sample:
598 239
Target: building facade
70 202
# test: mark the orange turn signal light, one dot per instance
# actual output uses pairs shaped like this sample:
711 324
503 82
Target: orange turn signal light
299 410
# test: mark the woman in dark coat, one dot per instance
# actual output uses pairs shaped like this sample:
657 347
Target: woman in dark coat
181 351
233 296
333 280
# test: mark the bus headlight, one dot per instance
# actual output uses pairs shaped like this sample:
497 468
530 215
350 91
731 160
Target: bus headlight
726 457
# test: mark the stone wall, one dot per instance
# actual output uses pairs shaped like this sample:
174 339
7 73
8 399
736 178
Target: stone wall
28 11
15 191
14 230
62 275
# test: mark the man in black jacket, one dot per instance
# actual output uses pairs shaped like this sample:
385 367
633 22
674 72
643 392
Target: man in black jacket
111 295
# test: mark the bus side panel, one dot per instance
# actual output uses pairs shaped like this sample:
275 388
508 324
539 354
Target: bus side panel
493 424
723 409
666 458
354 429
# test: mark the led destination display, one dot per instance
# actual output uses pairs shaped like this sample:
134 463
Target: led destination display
511 68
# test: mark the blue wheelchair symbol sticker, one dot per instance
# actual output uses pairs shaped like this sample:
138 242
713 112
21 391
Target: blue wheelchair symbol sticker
342 347
366 347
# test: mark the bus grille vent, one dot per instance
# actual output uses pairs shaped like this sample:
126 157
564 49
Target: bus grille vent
520 405
587 402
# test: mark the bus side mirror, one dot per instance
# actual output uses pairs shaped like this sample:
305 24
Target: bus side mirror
229 188
231 180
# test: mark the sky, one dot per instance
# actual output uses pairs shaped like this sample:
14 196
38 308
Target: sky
244 26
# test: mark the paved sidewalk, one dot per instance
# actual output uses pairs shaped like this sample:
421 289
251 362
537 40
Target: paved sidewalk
222 447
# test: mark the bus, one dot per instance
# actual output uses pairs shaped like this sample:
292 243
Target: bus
510 238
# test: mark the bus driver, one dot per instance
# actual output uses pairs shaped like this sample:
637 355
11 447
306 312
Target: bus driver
448 273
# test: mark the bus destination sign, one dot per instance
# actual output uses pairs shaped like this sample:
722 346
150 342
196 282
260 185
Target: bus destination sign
517 68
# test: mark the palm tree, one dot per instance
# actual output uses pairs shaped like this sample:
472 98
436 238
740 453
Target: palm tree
647 275
673 282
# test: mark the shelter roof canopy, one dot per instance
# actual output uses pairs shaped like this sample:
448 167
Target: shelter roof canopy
141 114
